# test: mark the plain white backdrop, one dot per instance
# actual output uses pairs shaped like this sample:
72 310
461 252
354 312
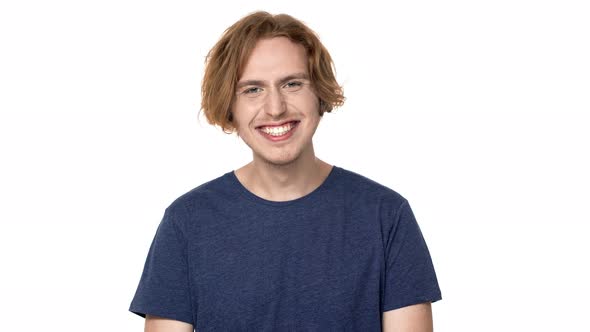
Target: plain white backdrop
475 111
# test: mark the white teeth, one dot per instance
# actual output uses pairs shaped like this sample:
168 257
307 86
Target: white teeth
278 131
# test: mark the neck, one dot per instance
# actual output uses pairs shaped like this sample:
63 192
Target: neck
284 182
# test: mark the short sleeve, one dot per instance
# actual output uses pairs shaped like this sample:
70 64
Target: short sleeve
409 277
164 287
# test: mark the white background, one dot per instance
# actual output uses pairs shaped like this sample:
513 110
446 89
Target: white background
475 111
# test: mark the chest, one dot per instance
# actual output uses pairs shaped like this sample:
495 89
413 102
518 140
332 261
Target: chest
322 265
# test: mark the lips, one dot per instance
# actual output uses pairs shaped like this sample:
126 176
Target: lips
271 125
278 133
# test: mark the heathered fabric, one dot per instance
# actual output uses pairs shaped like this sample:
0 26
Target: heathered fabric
224 259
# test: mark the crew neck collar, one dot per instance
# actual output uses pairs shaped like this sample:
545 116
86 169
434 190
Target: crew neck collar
235 182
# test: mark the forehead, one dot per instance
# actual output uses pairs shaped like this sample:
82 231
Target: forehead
273 58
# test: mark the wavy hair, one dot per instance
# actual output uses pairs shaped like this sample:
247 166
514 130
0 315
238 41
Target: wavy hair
225 61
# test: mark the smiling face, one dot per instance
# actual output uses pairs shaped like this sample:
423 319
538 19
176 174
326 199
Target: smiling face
275 109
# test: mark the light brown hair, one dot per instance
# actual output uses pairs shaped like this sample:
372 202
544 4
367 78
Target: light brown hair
225 61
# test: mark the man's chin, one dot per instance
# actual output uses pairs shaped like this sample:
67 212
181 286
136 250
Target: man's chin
278 162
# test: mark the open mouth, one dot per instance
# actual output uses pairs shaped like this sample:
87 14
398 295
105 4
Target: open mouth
278 132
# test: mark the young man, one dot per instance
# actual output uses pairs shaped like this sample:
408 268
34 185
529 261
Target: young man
287 242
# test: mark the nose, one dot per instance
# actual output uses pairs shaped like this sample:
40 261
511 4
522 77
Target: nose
275 103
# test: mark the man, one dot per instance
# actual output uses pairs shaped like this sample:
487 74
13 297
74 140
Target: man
287 242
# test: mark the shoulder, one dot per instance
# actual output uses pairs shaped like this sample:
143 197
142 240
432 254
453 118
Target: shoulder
366 188
210 190
368 198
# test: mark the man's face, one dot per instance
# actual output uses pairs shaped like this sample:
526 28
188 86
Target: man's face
275 110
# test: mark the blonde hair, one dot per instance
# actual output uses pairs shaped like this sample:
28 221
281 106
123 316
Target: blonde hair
225 61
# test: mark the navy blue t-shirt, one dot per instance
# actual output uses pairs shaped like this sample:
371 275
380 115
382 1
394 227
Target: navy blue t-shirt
224 259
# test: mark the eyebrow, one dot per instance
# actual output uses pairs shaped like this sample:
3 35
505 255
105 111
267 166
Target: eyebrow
281 81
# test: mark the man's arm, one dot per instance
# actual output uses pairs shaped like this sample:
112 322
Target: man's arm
159 324
414 318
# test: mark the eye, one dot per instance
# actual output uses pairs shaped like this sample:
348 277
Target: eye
293 85
253 90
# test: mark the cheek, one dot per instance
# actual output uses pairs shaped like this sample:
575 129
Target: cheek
306 100
243 113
